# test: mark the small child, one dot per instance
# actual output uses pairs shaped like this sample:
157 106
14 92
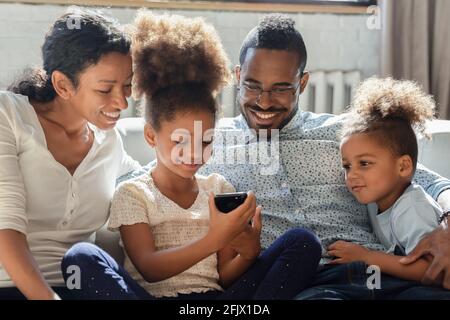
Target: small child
177 244
379 155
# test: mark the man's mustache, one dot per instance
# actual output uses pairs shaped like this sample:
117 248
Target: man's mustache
270 110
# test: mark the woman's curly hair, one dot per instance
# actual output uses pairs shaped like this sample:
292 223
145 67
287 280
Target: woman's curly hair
390 110
179 62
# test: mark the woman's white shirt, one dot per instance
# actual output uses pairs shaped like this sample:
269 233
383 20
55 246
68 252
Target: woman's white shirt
38 195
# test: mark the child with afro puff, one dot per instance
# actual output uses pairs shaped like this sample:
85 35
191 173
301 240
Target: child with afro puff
177 244
379 155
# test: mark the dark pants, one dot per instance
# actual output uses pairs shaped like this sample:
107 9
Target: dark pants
280 272
350 282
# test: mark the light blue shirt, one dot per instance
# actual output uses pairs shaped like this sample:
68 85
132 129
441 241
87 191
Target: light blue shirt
305 187
407 221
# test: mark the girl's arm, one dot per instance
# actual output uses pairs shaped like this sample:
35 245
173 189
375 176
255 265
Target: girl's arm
157 265
345 252
16 258
239 255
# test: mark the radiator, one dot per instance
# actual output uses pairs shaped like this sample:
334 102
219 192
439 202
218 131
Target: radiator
326 92
329 92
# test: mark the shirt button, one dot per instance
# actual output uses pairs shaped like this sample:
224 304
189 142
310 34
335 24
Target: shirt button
64 223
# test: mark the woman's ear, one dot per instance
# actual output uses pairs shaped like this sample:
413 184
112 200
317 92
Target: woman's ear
62 85
149 135
406 167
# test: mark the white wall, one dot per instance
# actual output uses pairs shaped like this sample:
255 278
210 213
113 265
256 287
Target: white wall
334 42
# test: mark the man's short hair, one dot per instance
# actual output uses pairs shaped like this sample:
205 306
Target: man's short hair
275 32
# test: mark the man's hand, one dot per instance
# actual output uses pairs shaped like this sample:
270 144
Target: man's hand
346 252
436 244
248 243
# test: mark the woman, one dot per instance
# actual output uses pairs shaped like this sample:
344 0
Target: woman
59 158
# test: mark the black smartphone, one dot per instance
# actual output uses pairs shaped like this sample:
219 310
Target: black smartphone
227 202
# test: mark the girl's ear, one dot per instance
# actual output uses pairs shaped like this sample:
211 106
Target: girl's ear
149 135
406 166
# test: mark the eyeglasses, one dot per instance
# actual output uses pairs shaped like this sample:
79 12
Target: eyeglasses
249 91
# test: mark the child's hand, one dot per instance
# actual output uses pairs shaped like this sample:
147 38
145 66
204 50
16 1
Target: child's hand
225 227
346 252
248 242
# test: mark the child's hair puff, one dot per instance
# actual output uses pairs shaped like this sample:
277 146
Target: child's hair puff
384 99
172 50
390 110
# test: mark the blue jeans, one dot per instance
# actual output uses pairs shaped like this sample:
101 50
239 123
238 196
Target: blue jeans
280 272
349 282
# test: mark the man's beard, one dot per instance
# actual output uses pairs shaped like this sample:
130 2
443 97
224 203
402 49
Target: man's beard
254 107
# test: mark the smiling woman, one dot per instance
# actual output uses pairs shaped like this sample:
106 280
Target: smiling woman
59 160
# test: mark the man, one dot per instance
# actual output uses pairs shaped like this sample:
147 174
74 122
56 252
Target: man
307 187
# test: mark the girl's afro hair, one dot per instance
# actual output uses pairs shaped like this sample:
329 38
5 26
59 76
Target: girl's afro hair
171 49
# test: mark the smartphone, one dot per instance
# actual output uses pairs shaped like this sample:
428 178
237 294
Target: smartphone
227 202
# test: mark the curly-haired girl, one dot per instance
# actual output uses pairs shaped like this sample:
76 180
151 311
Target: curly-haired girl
379 155
177 243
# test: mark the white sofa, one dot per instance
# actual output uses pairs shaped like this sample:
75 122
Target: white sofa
434 154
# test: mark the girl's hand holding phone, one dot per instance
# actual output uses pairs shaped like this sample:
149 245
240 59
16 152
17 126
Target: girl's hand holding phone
223 228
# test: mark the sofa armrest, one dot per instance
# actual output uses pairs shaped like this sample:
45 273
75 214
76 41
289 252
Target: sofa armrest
435 153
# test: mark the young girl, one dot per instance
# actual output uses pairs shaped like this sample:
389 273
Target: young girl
177 244
379 154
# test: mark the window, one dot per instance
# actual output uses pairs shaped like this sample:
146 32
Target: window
317 2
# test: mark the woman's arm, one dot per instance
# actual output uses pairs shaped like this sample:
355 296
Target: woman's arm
20 265
15 255
156 265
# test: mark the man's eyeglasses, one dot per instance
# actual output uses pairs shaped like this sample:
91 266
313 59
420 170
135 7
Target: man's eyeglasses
250 91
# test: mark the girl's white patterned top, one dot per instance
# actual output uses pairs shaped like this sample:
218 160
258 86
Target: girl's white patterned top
139 201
